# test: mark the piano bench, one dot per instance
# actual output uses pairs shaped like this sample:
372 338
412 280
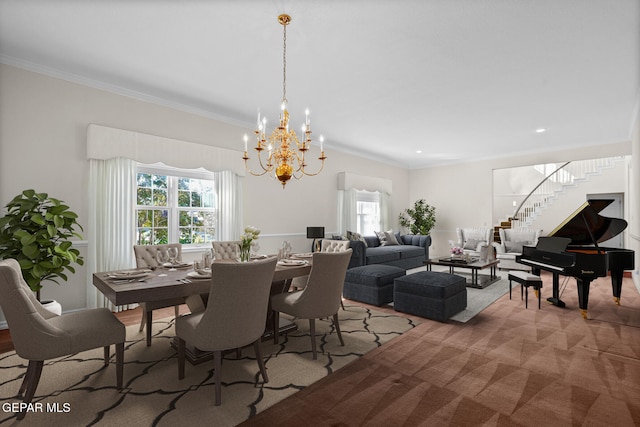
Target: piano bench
526 279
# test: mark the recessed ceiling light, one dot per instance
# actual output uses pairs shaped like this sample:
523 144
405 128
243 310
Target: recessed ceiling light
418 151
541 130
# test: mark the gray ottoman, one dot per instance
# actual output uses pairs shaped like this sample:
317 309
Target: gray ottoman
371 284
430 294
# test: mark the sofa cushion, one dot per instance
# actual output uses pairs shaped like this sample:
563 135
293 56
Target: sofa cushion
381 254
515 246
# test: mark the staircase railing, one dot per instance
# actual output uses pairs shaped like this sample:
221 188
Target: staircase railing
544 192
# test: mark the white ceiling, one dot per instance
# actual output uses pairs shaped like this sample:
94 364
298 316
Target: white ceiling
457 79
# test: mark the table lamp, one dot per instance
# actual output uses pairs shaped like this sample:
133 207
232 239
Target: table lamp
315 233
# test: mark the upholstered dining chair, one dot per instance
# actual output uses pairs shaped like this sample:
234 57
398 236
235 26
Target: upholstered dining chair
327 245
234 317
225 249
39 335
320 298
146 256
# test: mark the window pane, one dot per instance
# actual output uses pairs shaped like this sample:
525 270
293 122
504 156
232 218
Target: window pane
160 218
160 236
184 218
160 181
159 197
144 180
144 218
144 196
184 199
144 236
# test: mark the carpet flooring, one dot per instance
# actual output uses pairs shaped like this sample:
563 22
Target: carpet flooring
77 390
507 366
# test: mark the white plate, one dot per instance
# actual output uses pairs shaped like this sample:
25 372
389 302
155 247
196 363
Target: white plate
196 275
179 265
123 275
292 262
303 255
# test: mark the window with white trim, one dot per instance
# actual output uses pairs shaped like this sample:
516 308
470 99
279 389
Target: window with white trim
175 206
368 212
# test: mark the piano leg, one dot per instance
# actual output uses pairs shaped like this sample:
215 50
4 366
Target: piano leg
616 284
555 299
583 295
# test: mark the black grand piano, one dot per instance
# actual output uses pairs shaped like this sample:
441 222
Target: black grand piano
572 250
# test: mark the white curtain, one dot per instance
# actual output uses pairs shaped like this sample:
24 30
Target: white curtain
229 191
384 210
347 218
112 203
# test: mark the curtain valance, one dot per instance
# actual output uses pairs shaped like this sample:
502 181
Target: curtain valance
352 181
109 143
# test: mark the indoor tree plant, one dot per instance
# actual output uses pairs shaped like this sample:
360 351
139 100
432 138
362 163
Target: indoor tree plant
420 219
35 232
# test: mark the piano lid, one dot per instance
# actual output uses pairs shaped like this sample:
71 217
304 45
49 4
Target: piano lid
587 218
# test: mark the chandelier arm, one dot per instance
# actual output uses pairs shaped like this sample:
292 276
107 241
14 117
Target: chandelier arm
304 172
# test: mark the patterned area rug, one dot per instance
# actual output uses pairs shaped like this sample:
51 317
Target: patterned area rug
77 390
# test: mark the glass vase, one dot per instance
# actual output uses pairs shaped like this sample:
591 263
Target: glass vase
244 254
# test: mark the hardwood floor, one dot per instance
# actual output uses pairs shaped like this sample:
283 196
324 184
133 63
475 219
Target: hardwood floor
128 317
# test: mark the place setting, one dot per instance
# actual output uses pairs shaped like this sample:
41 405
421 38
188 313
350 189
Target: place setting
200 270
120 277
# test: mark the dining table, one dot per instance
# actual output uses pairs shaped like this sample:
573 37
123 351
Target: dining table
132 286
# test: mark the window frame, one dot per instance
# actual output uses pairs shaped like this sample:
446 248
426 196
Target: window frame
173 175
364 196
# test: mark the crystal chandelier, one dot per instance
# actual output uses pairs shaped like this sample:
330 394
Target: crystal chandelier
285 157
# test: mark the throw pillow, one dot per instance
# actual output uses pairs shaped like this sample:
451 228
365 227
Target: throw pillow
471 244
381 237
391 238
515 246
337 237
352 235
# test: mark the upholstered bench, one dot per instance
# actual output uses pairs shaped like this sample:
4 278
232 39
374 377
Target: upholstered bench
371 284
430 294
526 279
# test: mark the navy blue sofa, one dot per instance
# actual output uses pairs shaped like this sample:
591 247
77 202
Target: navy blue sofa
411 253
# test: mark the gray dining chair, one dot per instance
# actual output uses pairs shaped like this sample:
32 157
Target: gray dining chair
235 315
320 298
226 249
327 245
38 334
146 256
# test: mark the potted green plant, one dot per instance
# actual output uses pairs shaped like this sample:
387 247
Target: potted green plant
420 219
35 232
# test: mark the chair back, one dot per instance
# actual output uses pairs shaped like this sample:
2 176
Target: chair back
334 245
26 317
323 293
236 313
146 254
513 239
225 249
474 238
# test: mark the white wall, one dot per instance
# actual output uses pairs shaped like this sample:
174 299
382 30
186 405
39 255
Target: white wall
634 196
462 193
43 124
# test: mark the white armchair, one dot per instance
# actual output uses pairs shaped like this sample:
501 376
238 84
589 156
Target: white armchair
511 242
473 240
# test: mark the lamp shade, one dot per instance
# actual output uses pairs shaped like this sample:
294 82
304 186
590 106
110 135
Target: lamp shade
315 232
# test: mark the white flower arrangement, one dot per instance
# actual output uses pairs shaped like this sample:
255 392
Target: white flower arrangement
247 240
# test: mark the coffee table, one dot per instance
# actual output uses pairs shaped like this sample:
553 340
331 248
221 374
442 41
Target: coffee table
476 280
